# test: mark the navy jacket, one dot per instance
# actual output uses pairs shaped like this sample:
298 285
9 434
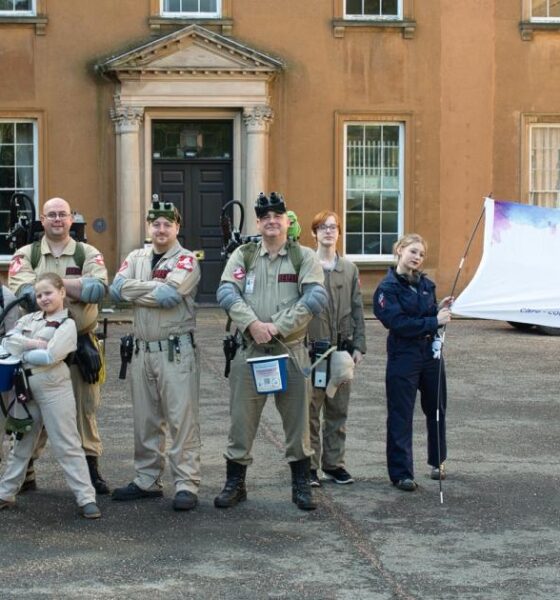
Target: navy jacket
405 312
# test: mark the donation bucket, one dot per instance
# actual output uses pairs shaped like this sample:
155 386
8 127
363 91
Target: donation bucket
270 373
8 367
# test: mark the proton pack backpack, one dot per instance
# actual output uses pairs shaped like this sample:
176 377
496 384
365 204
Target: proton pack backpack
79 254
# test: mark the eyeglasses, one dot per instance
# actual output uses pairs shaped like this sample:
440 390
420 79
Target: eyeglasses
53 216
324 227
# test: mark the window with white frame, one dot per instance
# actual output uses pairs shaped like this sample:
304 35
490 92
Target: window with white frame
373 9
12 8
544 179
191 8
373 188
18 168
545 10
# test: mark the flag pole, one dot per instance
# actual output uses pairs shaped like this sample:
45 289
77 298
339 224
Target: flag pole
442 336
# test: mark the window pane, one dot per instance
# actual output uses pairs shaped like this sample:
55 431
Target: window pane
387 242
353 7
7 177
208 6
24 177
172 5
372 7
6 133
372 244
555 9
372 200
25 155
354 202
190 6
372 222
391 202
23 5
390 223
354 222
6 5
390 8
6 156
192 139
24 133
354 244
544 186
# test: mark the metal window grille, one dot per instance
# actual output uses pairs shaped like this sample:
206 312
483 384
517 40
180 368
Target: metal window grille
373 188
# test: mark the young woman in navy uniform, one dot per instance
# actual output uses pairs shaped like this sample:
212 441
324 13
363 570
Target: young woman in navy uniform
405 302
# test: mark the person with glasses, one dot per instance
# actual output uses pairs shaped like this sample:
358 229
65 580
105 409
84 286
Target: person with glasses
85 282
161 282
271 301
341 324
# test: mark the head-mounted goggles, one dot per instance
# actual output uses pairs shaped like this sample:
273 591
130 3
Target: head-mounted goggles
274 202
163 209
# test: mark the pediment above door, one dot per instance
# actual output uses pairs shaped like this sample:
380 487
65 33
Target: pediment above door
192 50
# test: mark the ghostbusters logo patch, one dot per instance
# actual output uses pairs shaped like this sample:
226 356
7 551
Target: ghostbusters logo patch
99 260
185 263
15 266
239 273
124 266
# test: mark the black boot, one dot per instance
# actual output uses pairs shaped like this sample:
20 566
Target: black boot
234 490
301 488
97 480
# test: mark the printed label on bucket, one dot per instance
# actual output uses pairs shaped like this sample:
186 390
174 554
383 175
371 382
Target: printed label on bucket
269 373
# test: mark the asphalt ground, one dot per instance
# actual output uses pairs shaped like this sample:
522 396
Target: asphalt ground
496 535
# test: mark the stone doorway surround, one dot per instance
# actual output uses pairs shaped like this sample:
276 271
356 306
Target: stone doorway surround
192 73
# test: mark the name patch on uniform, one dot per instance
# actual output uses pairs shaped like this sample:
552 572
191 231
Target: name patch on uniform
287 278
73 271
185 262
161 273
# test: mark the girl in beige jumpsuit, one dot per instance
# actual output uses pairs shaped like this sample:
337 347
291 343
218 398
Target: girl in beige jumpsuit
43 340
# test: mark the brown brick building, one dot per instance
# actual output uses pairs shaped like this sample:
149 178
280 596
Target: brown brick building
399 114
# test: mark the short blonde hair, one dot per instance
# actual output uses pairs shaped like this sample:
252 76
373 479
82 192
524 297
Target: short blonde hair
407 240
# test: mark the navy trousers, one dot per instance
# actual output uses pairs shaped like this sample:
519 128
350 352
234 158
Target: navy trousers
411 368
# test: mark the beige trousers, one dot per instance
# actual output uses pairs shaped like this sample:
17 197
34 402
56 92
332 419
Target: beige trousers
246 405
53 406
165 396
334 416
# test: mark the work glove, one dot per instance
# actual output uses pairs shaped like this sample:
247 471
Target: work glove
437 345
88 359
167 296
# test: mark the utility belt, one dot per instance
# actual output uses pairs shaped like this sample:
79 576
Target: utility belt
173 342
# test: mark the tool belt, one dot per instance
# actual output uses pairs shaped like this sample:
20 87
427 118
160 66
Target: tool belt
174 343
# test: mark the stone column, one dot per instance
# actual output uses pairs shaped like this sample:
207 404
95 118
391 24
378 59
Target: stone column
257 122
130 209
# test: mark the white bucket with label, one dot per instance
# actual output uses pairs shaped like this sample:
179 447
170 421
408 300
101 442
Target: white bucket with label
270 373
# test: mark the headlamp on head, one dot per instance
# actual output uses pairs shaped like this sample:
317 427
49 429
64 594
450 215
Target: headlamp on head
163 209
274 202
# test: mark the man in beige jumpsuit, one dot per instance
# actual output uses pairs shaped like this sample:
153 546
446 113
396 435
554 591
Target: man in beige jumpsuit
271 304
161 283
341 321
85 287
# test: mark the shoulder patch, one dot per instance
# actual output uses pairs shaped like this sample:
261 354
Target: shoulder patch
99 260
239 273
15 265
124 266
185 263
381 300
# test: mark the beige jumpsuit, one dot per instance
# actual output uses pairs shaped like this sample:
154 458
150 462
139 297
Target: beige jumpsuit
164 391
85 315
6 326
53 406
271 290
344 317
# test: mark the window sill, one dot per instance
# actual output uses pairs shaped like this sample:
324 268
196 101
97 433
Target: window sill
407 27
164 24
527 28
40 22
